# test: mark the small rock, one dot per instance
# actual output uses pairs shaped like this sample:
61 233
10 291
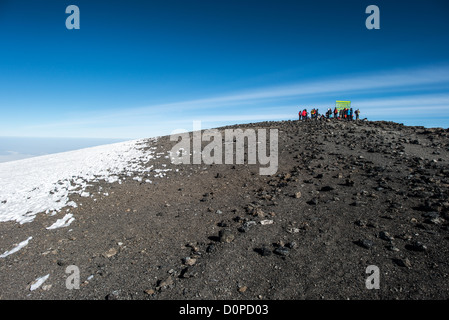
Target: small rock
259 213
291 245
111 252
365 243
298 195
361 223
114 295
243 289
211 248
164 284
193 247
292 230
150 292
405 237
246 226
417 246
265 222
385 236
349 182
392 248
327 188
435 221
403 262
264 252
189 261
282 251
46 287
226 235
357 203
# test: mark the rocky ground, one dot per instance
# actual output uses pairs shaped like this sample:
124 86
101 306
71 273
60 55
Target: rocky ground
346 195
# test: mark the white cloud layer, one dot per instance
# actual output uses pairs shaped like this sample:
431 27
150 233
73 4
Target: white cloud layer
262 104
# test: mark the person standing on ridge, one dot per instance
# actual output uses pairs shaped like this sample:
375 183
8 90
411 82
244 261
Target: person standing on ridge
357 113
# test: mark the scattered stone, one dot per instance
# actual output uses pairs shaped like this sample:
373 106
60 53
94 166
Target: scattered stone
403 262
385 236
405 237
292 230
392 248
265 222
246 226
150 292
164 284
110 253
358 203
282 251
187 273
365 243
61 262
211 248
218 212
188 261
264 252
361 223
291 245
298 195
255 211
46 287
436 220
222 224
259 213
242 289
226 236
417 246
114 295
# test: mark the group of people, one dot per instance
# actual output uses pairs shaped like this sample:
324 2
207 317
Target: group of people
342 114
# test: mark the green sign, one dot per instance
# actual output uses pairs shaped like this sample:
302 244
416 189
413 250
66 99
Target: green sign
342 105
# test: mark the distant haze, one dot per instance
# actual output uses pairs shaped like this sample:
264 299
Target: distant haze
16 148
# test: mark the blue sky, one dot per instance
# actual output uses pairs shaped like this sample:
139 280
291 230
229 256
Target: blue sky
139 69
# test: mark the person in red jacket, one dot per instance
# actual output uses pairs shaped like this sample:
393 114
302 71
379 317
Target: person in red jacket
304 114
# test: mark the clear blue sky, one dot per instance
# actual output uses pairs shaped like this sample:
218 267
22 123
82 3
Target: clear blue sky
138 69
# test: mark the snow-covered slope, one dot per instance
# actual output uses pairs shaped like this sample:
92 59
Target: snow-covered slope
43 184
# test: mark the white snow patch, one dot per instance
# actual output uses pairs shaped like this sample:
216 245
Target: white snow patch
38 282
16 248
63 222
43 184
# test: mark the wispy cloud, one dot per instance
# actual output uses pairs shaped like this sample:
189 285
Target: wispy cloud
270 103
